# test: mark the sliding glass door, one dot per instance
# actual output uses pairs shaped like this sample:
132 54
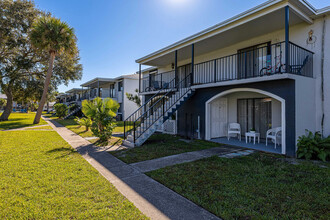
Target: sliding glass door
249 59
255 113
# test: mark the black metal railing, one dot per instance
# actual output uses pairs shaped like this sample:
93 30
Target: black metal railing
300 60
158 105
161 106
142 109
257 62
155 82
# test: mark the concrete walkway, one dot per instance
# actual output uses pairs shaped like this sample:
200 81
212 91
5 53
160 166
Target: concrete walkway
155 164
150 197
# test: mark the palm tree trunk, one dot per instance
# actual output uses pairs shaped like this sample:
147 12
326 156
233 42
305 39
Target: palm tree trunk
46 85
9 105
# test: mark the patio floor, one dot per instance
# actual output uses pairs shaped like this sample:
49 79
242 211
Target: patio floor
262 146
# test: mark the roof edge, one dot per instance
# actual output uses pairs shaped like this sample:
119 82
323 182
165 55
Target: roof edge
242 15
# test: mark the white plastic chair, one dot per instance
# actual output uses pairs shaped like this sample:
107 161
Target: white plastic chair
234 128
273 134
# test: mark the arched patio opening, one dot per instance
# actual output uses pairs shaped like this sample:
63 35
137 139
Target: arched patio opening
253 109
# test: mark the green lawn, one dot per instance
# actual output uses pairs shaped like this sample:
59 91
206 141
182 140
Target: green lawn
73 126
258 186
42 177
19 120
161 145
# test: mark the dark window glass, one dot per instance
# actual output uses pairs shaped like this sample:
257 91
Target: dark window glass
120 86
255 113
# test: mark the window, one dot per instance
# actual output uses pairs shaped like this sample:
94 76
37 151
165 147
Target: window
255 113
120 86
112 90
252 59
120 110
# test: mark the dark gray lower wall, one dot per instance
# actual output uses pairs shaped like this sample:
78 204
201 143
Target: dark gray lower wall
195 106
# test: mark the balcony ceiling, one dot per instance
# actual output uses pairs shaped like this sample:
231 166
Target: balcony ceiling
268 23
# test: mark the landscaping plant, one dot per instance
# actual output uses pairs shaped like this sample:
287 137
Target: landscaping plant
102 113
73 107
87 122
61 110
3 102
55 37
134 98
313 146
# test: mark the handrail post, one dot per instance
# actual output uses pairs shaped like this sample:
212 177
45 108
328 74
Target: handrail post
163 106
124 130
140 77
245 65
134 132
192 64
176 67
287 58
215 70
161 80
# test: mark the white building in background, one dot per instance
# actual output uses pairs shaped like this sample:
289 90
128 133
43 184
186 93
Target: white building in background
115 88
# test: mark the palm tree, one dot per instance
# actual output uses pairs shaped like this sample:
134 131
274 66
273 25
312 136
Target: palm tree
102 113
55 37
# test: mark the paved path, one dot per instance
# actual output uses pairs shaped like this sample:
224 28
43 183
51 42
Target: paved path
152 198
155 164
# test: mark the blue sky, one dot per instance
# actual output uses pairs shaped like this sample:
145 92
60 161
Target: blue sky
112 34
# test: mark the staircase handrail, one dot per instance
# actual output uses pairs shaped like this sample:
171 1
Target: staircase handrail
162 90
162 99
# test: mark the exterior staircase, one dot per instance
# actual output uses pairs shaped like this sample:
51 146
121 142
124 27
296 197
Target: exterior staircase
139 126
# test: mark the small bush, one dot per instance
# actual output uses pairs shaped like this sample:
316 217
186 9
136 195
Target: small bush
102 113
61 110
313 146
3 103
87 122
73 107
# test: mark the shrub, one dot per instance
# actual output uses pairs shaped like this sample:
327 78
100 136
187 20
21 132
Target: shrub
73 107
61 110
3 103
87 122
313 146
102 113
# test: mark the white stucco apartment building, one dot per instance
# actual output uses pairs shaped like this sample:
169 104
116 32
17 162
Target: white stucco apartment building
266 68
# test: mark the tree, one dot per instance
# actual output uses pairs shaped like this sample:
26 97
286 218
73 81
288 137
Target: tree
23 68
134 98
102 113
17 57
55 37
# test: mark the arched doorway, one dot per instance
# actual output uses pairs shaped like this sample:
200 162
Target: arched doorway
222 108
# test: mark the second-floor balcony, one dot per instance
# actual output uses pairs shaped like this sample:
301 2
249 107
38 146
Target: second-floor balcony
258 61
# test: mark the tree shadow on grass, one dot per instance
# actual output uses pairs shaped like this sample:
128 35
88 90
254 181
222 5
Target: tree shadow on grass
82 132
65 151
111 143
